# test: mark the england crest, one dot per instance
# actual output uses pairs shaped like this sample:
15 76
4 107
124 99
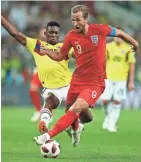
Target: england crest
94 39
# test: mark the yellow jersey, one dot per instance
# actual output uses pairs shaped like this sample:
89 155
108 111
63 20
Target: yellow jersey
52 74
118 59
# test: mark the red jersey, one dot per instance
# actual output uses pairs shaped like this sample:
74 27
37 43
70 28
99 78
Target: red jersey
90 50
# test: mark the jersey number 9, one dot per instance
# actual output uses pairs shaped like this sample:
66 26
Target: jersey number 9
79 49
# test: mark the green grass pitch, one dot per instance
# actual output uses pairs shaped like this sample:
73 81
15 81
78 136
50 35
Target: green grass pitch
96 145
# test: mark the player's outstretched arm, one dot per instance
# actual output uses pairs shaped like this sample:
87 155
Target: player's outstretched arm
20 37
131 76
127 38
56 56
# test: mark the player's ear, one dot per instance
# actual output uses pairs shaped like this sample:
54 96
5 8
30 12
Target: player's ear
86 20
45 33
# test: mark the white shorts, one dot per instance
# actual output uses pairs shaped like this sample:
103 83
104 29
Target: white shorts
115 90
60 93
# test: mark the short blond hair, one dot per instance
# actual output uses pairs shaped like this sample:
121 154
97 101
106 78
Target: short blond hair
82 8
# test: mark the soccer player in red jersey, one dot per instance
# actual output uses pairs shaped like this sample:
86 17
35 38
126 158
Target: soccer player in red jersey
87 84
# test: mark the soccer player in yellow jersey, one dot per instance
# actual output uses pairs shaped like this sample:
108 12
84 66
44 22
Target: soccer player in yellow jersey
35 86
120 64
54 76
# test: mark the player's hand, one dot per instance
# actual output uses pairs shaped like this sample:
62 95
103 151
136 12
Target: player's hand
134 47
43 49
131 86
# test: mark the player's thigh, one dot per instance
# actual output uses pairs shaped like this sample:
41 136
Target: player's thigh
120 91
57 95
79 105
86 98
91 95
63 92
71 98
108 92
50 99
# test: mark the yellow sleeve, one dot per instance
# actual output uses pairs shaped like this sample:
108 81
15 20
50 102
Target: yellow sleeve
30 44
70 52
131 57
108 45
107 52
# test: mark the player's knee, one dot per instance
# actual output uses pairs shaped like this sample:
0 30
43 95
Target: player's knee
116 102
78 107
55 106
88 119
51 106
33 91
52 102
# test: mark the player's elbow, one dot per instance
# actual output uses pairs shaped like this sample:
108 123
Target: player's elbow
60 57
57 59
14 33
19 37
119 33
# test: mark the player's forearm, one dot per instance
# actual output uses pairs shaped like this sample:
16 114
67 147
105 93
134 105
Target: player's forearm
56 56
13 31
131 73
127 38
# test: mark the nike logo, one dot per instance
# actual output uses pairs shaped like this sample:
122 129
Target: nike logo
77 42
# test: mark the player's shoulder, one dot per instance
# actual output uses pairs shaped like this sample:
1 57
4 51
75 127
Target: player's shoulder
98 25
34 40
42 42
59 44
126 45
56 46
111 43
29 39
31 43
71 33
98 28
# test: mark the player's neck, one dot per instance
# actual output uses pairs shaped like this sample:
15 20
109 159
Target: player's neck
51 43
118 44
86 29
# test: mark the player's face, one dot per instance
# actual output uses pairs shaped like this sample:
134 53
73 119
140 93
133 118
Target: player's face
79 22
52 34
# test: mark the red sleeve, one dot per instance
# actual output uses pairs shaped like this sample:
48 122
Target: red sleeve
66 47
105 29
